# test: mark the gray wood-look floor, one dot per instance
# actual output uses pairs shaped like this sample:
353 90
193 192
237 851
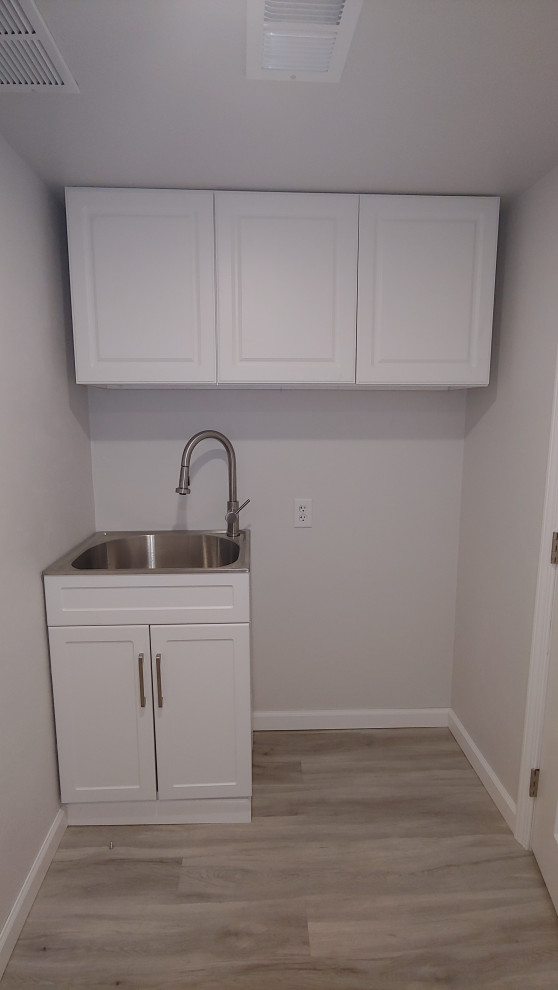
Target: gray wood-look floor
375 861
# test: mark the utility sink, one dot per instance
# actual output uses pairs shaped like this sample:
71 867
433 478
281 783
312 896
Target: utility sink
165 550
159 551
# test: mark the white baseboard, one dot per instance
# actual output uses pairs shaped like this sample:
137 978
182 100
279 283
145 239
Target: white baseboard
24 901
503 801
352 718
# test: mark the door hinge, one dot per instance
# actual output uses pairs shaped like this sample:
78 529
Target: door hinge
554 551
534 783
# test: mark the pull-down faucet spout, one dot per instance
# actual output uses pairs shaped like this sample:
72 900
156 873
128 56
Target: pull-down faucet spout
233 508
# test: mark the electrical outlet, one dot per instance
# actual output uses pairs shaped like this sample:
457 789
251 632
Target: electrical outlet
303 511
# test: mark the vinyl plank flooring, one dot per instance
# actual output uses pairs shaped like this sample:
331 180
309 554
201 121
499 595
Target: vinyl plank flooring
375 861
417 803
365 746
137 937
381 926
483 936
388 866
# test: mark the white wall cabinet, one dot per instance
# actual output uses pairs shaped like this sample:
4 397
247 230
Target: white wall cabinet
286 287
426 289
289 270
142 285
153 718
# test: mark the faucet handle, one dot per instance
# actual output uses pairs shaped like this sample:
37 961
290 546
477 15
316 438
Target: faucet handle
233 512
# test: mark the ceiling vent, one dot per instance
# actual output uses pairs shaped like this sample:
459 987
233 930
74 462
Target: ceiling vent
301 40
29 58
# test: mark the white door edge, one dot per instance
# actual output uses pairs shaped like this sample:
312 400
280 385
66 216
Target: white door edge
540 642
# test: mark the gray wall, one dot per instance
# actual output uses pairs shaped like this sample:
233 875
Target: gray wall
45 504
356 612
506 453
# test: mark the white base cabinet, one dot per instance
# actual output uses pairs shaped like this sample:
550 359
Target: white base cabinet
153 721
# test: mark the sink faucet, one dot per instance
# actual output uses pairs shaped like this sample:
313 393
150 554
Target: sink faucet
233 508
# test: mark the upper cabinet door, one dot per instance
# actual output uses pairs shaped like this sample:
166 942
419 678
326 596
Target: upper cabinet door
425 289
142 280
286 286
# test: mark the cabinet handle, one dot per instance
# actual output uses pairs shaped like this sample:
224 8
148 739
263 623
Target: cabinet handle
159 687
141 682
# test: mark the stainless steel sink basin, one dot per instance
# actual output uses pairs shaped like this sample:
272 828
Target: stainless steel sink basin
164 550
159 551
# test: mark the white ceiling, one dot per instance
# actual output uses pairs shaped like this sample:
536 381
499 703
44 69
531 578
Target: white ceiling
444 96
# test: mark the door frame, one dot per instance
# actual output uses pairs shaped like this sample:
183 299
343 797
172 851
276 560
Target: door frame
540 641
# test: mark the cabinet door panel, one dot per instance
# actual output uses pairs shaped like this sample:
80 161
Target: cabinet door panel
426 289
202 730
141 267
286 286
104 735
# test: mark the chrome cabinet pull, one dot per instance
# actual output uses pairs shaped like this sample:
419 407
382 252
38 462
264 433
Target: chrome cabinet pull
159 686
141 681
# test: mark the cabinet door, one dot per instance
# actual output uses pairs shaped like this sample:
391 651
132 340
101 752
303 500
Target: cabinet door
142 281
104 727
286 286
201 680
425 289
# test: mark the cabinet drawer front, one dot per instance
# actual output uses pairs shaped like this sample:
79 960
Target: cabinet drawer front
139 599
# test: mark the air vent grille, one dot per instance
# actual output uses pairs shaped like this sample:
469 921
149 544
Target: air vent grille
29 58
305 11
297 53
13 19
302 40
